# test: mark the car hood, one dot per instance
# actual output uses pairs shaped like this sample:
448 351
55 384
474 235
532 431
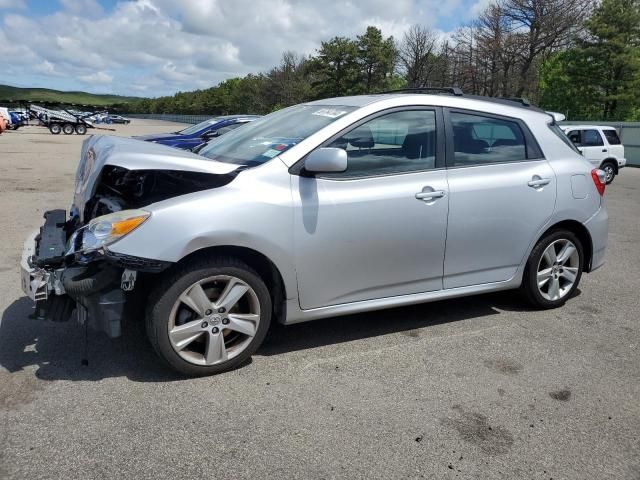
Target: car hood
99 151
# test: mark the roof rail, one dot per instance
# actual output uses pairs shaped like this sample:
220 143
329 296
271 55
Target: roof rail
452 90
520 100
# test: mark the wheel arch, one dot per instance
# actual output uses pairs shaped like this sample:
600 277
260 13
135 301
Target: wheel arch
613 161
263 265
580 231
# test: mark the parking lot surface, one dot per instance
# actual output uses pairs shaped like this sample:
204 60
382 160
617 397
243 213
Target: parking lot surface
480 387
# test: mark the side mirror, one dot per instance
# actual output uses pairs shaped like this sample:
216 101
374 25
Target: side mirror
326 160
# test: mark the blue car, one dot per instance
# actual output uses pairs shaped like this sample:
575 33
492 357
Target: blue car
195 135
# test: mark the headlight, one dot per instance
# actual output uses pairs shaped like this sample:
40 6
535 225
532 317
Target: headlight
105 230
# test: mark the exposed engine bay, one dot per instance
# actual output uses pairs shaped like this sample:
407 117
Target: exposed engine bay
120 189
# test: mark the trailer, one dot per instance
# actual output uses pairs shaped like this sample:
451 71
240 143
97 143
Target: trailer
63 120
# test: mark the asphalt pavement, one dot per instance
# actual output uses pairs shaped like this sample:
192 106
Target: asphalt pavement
481 387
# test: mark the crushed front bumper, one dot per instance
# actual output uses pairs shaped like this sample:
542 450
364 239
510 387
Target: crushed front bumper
62 288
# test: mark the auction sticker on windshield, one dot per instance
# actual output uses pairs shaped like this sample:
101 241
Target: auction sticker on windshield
329 112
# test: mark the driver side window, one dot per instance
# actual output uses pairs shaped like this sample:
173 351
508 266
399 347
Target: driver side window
398 142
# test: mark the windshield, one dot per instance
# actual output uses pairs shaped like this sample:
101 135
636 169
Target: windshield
269 136
196 128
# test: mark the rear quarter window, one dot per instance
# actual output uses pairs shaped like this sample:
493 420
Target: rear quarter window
612 137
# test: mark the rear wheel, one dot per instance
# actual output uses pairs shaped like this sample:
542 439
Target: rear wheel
55 128
609 170
209 316
81 129
67 129
553 270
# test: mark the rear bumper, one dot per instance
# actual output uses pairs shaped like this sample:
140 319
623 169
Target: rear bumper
622 162
598 227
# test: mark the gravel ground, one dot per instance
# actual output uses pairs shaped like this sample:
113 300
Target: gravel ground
480 387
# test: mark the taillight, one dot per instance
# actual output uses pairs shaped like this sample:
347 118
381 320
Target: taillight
599 179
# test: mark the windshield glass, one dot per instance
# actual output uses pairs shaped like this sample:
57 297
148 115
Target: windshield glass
267 137
196 128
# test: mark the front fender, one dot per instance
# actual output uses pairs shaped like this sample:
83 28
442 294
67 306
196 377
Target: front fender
253 211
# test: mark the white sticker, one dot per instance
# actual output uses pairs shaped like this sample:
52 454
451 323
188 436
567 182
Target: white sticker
329 112
271 153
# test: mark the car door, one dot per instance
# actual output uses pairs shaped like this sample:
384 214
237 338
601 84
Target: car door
501 193
614 145
378 229
592 146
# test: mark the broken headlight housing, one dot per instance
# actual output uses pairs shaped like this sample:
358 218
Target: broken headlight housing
105 230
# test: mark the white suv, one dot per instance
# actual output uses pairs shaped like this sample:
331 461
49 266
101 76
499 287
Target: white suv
600 145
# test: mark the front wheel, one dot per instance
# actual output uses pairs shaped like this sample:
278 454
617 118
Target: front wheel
209 316
609 171
553 270
55 128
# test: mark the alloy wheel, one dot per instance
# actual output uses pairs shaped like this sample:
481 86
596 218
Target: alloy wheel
558 269
214 320
609 172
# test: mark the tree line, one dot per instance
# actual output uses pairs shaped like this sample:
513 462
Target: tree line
579 57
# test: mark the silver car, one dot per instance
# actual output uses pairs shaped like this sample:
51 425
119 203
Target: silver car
326 208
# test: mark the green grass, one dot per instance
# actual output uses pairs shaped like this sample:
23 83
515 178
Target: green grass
8 93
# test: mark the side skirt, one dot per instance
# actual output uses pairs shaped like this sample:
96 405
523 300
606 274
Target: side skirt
296 315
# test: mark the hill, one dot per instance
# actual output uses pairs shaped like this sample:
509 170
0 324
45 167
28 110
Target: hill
8 93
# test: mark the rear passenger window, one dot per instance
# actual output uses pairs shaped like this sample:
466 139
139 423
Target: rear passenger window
574 136
612 137
397 142
480 140
591 138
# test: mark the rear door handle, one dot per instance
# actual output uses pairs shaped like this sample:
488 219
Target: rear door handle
604 149
432 195
539 182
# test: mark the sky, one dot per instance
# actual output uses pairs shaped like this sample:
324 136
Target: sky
158 47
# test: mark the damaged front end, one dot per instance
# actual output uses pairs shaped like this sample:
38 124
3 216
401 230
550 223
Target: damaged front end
75 275
67 267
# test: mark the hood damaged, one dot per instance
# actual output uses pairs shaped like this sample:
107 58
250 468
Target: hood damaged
117 173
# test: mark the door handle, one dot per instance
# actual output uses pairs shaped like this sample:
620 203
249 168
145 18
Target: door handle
539 182
604 149
430 195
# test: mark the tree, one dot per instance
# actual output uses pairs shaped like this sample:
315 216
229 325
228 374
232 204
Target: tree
599 79
376 57
542 26
336 71
417 56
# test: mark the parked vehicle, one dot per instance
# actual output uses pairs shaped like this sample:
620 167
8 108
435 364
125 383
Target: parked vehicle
600 145
62 121
195 135
327 208
119 119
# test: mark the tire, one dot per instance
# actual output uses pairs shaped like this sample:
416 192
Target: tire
169 318
610 171
55 128
67 129
81 129
565 273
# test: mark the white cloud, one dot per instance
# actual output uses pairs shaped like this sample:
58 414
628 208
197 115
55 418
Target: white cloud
162 46
479 7
14 4
101 78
